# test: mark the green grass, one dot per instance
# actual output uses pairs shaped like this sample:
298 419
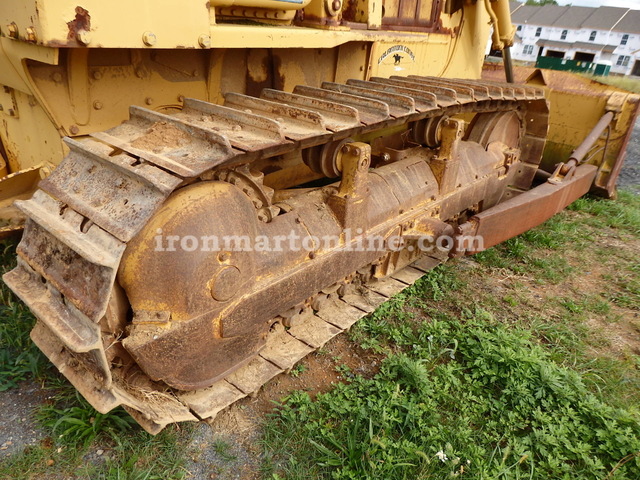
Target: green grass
505 386
20 359
486 396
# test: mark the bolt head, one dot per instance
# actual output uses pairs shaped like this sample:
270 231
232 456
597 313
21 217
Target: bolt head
336 4
204 41
74 130
148 101
31 35
97 105
149 39
12 30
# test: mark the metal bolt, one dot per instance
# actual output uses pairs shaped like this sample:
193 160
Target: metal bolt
181 98
12 30
97 74
148 101
84 37
74 130
204 41
31 35
149 39
336 5
97 105
56 77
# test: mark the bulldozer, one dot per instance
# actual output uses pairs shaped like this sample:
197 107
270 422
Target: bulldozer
197 182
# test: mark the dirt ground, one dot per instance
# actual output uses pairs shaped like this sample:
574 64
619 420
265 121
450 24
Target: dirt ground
230 448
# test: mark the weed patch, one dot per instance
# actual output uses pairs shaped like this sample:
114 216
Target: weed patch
473 399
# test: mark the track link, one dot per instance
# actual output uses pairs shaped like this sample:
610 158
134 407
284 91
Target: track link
110 185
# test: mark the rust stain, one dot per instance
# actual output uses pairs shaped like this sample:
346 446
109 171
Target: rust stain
350 11
82 21
274 76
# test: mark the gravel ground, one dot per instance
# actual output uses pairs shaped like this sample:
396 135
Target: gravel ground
630 175
18 426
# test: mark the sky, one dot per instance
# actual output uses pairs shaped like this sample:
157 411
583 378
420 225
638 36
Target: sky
635 4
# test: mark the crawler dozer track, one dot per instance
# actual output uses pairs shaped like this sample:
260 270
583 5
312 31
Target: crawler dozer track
87 271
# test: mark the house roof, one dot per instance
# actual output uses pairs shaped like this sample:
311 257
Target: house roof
547 14
573 17
570 17
604 18
629 23
522 14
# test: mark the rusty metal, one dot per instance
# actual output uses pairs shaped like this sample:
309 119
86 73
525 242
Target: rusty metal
525 211
201 319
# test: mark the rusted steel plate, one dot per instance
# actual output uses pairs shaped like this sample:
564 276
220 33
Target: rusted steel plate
285 350
492 90
336 117
340 314
176 145
314 331
101 399
245 131
366 300
478 92
407 275
297 123
370 111
529 209
89 177
399 105
423 101
464 94
252 376
208 402
387 286
426 263
80 267
445 97
77 331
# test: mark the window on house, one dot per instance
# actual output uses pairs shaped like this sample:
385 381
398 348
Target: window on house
625 39
592 37
528 49
519 28
623 60
563 35
538 31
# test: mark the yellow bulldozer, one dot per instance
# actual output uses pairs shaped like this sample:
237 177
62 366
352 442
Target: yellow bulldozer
209 191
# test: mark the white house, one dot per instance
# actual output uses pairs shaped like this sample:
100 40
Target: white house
608 35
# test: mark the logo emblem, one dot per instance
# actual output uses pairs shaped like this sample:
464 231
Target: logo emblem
397 55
